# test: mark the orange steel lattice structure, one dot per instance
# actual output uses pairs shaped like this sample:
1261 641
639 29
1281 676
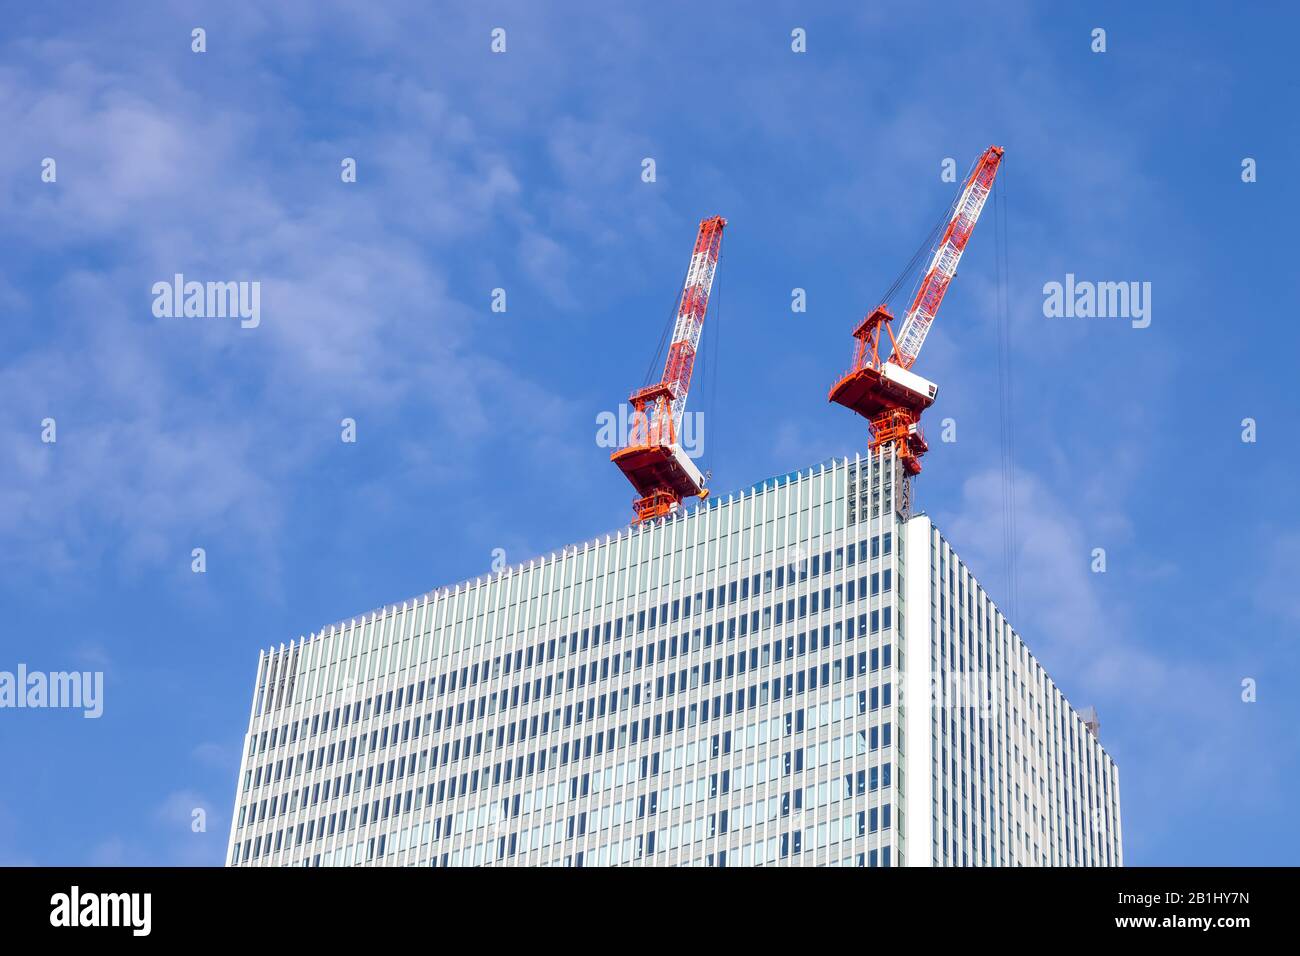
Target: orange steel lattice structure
884 390
653 459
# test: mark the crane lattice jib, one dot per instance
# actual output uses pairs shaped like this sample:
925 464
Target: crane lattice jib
943 266
690 316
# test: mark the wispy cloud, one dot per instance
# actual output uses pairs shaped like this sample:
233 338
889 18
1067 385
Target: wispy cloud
174 427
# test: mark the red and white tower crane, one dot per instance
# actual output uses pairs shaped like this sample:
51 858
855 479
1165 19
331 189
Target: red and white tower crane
885 391
653 459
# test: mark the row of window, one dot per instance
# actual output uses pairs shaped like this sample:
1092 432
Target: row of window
644 656
452 751
607 815
573 714
790 762
536 762
723 594
761 732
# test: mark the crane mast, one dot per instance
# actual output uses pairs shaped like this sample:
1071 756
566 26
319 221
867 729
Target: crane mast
884 389
653 459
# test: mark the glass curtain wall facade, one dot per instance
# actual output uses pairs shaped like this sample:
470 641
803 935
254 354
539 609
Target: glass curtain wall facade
1015 777
717 689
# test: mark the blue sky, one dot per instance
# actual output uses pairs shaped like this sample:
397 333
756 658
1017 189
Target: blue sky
476 430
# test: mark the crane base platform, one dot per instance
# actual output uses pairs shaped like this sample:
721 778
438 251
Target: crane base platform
661 474
891 398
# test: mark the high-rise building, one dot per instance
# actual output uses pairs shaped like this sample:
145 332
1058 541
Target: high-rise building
797 674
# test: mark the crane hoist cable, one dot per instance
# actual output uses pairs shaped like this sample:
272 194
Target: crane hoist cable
925 248
1006 397
711 370
657 359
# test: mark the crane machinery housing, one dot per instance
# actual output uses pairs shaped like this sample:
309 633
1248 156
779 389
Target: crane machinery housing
653 459
884 389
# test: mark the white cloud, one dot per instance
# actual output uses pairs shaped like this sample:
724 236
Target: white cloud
1080 632
183 427
217 756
